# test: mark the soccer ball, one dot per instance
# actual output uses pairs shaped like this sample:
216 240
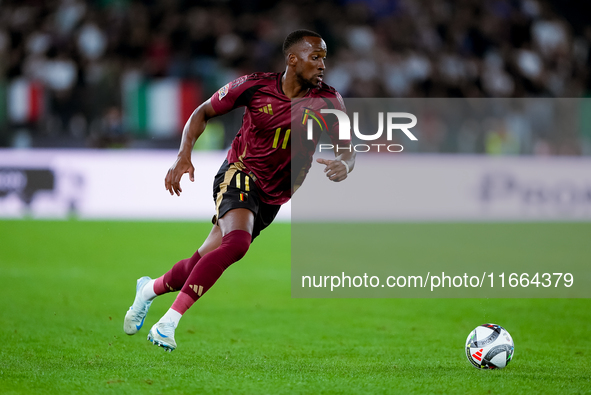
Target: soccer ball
489 346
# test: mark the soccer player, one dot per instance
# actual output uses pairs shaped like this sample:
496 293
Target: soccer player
254 180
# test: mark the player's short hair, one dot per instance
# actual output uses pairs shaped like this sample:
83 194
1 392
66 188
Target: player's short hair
295 37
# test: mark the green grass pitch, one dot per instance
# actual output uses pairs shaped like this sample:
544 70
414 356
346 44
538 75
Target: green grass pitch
66 285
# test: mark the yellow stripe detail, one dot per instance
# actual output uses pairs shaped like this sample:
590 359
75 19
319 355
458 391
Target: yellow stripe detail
265 110
277 133
261 109
241 157
223 188
200 290
286 138
238 180
246 183
270 109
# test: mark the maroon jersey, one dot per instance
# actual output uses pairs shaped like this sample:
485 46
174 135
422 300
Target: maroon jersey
266 144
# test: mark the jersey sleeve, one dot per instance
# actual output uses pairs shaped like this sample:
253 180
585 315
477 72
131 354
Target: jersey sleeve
333 130
228 96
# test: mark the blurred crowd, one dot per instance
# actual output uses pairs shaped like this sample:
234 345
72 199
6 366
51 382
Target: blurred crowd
82 50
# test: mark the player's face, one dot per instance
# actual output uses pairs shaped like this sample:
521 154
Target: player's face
309 68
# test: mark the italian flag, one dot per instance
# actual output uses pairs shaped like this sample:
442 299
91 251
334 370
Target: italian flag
25 101
159 108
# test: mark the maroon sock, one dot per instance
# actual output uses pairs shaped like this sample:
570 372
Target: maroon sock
234 245
175 278
182 303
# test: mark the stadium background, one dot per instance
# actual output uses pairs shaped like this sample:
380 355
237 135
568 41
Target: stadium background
96 92
86 65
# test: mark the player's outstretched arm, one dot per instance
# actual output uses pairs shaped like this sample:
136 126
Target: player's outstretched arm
338 168
191 132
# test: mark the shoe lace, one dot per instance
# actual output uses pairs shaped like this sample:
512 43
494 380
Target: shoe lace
167 328
140 310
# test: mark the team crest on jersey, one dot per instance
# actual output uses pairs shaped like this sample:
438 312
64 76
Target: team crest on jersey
223 91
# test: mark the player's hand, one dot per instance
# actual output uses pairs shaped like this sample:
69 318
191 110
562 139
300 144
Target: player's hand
172 182
335 169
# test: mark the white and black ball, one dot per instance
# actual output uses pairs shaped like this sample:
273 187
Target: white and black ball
489 346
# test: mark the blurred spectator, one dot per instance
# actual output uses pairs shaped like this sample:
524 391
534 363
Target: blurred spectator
400 48
109 132
68 14
91 41
158 55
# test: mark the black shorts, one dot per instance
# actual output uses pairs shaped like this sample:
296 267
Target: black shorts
233 188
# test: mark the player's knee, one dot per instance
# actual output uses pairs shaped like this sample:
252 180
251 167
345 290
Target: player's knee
237 243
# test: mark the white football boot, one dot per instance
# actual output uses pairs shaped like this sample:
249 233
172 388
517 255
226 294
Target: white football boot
134 319
162 335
